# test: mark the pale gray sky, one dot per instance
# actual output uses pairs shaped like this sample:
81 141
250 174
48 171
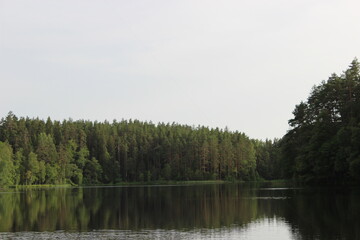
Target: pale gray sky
241 64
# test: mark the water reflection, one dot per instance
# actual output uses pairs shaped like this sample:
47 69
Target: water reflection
200 210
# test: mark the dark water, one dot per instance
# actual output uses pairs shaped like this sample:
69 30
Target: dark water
216 211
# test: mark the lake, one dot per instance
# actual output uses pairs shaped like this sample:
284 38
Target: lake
208 211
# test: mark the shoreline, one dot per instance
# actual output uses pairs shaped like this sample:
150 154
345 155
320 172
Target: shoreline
151 183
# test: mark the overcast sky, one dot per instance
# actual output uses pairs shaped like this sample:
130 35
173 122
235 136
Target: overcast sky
240 64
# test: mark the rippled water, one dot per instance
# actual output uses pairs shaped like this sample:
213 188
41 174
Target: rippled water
216 211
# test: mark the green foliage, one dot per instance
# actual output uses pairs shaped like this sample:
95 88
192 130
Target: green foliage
92 171
7 169
18 166
42 172
46 150
33 169
75 152
324 142
166 172
268 155
51 173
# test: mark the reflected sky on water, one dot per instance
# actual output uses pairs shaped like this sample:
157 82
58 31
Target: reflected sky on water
272 229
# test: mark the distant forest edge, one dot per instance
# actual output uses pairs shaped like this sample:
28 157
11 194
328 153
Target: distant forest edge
323 145
33 151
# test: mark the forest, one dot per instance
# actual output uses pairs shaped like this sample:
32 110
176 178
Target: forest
322 145
34 151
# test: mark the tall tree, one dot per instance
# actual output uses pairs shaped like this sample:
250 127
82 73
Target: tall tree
7 170
323 144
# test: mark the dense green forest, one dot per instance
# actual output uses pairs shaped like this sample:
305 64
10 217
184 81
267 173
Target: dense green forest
323 144
34 151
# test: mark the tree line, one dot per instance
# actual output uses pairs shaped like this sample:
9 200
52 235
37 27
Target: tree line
35 151
323 145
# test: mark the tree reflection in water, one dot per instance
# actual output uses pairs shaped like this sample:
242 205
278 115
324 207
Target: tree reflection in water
199 209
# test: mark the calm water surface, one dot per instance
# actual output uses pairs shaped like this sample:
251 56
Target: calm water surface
213 211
